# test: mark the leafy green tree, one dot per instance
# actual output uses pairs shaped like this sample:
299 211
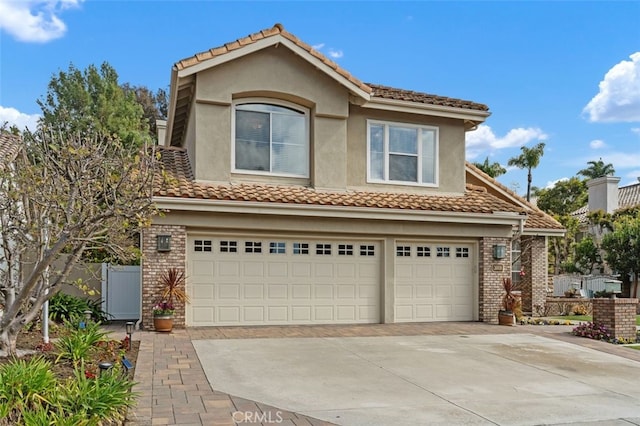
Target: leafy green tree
529 159
564 197
154 105
587 255
66 194
597 169
93 101
494 169
560 247
622 250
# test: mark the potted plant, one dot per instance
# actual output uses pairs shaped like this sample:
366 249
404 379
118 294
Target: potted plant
172 283
506 315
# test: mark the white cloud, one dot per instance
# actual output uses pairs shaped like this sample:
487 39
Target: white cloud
552 183
34 20
631 177
18 119
636 130
483 139
318 46
619 97
597 144
335 54
622 160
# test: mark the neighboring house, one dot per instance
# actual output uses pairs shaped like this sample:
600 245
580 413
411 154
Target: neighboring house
294 193
605 195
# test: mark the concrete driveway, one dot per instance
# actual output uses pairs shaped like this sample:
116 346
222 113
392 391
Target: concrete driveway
506 379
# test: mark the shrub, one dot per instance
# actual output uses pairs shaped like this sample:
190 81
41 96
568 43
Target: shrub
64 307
580 310
79 342
591 330
25 385
98 400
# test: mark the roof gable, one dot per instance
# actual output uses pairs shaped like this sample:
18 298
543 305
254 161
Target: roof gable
265 38
537 220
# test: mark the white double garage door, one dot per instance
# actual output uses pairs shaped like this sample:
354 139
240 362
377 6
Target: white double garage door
261 281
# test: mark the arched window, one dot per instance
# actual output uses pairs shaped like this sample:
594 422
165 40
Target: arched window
271 139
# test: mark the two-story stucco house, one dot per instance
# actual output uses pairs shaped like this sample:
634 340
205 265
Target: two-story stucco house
297 194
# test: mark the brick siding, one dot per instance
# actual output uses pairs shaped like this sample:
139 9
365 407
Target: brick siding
490 292
618 315
535 265
155 263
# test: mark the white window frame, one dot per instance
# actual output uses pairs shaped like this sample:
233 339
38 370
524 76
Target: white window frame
419 128
279 103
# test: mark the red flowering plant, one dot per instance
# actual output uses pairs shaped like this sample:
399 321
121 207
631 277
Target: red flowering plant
163 308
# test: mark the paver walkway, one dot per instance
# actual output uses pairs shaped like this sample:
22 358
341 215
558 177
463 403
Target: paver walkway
173 388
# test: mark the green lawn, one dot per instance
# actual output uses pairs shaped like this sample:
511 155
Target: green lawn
585 318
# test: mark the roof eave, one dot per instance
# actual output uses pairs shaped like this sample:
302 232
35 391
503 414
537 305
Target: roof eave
289 209
469 115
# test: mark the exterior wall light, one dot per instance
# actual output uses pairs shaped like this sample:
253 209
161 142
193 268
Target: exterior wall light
163 243
499 251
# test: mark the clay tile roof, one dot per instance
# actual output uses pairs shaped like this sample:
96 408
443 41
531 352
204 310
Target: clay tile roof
9 147
536 219
386 92
277 29
628 196
179 183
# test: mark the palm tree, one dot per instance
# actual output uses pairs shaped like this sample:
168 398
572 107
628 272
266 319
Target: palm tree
494 170
597 169
529 159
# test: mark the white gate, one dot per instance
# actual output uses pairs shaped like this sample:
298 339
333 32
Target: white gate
121 291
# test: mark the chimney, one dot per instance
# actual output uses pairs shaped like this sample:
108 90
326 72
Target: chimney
161 129
603 194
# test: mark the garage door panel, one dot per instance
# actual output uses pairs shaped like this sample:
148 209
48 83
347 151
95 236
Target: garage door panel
253 291
228 314
301 291
227 268
228 291
277 291
202 269
434 281
347 313
236 281
278 314
301 313
253 313
203 314
278 269
302 270
253 269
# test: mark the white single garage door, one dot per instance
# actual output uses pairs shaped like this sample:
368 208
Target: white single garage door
255 281
434 282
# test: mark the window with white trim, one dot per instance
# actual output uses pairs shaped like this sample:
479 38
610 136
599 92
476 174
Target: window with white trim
277 247
271 139
228 246
300 248
462 252
442 252
345 249
516 261
423 251
403 251
402 153
367 250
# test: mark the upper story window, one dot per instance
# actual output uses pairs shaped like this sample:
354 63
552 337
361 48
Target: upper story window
402 153
271 139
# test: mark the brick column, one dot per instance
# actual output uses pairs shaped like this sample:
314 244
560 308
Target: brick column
491 272
535 264
618 315
155 263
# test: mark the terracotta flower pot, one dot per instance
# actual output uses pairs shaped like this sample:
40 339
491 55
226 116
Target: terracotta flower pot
163 323
506 318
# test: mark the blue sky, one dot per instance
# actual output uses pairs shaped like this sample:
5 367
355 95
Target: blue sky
563 72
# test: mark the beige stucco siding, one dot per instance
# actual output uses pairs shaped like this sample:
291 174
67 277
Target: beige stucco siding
285 224
451 150
272 73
